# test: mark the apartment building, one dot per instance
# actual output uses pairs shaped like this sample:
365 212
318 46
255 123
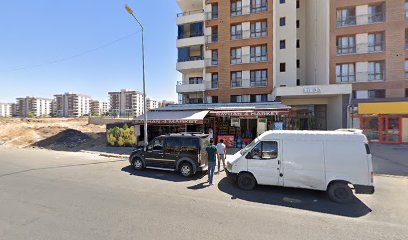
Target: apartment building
38 107
72 105
5 110
99 108
251 51
152 104
369 49
126 103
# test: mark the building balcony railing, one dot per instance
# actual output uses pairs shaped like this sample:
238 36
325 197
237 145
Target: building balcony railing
192 58
361 48
246 34
188 13
360 20
246 58
211 38
210 62
188 88
361 77
190 35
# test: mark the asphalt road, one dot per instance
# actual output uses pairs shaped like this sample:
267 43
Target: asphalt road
57 195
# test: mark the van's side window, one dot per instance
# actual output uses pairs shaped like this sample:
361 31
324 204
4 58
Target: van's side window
265 150
190 145
173 144
156 145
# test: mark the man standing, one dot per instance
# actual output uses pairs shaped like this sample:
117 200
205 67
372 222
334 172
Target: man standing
222 152
211 151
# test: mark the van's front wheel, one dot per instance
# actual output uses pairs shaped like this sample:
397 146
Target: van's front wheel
340 192
246 181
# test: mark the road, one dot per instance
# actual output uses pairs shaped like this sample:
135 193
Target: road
59 195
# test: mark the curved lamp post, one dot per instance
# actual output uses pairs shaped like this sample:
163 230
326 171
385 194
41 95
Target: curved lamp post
130 11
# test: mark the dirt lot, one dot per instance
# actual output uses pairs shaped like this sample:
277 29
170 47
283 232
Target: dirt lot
51 133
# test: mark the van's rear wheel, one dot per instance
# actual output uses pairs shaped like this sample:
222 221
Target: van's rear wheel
246 181
137 164
186 169
340 192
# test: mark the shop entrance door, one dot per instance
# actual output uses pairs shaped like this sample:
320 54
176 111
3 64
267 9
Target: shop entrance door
390 129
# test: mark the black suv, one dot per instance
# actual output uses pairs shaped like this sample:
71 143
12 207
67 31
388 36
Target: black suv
184 152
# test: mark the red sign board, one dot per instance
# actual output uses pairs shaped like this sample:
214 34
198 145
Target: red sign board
175 121
246 113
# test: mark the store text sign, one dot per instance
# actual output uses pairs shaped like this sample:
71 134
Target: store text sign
245 114
179 121
311 90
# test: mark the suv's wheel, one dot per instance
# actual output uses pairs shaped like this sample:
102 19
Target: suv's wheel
186 169
246 181
340 192
137 163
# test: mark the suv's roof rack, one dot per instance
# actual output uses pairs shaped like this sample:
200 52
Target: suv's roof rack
187 134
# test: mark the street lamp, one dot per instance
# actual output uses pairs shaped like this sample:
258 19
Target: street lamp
130 11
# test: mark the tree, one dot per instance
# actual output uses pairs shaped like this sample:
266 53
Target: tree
30 115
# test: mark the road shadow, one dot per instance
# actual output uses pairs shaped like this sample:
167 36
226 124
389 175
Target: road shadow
71 140
161 174
315 201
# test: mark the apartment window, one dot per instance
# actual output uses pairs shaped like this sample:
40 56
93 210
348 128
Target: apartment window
214 57
376 42
214 80
281 1
375 71
258 78
346 17
258 6
195 80
378 93
297 82
236 8
406 69
406 92
214 34
345 73
240 98
406 10
236 55
259 53
298 43
375 13
258 29
282 21
282 67
214 99
236 32
297 24
297 4
346 45
282 44
256 98
236 79
214 11
406 39
298 63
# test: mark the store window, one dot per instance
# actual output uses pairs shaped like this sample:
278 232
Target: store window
236 79
264 151
258 78
236 55
259 53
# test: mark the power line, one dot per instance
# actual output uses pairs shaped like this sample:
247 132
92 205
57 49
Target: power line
80 54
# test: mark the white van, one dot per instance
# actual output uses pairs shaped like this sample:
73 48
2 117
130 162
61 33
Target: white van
332 161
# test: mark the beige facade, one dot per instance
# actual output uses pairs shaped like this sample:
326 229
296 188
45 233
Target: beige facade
38 107
152 104
126 103
5 110
71 105
99 107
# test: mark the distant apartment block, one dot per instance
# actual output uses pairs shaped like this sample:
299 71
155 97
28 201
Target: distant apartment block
165 103
99 107
152 104
126 103
71 105
5 110
38 107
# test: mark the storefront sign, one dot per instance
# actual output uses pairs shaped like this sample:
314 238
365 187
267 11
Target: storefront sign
244 113
311 90
180 121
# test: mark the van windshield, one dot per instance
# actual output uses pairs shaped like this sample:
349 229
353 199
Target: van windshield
249 146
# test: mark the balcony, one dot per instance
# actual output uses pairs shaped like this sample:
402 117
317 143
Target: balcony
189 88
247 34
360 20
190 64
360 48
361 77
190 16
190 40
209 62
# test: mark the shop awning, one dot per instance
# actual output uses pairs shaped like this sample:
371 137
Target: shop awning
383 108
172 117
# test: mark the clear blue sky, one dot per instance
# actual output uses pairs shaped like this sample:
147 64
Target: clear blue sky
86 46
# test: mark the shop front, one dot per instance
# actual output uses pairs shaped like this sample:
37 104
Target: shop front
384 123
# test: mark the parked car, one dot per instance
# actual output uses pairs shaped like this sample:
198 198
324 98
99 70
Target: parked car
332 161
184 152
